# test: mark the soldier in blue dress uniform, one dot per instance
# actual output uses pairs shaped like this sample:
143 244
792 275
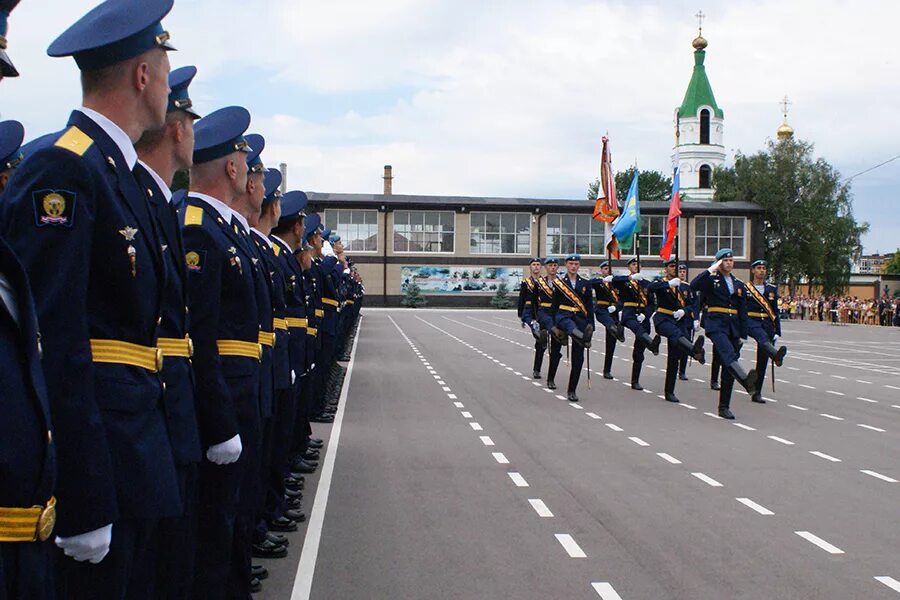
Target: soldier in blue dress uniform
82 227
674 319
527 312
546 316
725 324
763 323
162 152
573 303
636 310
692 325
11 135
606 311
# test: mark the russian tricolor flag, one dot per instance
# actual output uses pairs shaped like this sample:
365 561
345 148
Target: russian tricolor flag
672 220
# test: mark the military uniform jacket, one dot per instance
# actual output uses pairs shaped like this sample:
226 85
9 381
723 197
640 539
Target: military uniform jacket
329 299
763 307
725 312
275 268
27 453
177 372
295 299
668 300
605 294
222 296
527 310
77 219
543 300
315 312
573 301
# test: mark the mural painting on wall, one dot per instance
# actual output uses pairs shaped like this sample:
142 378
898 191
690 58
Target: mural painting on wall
453 279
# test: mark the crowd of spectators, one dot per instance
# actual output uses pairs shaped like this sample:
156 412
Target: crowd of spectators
842 309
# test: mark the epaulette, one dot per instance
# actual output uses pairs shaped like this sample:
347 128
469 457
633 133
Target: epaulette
193 215
276 249
75 140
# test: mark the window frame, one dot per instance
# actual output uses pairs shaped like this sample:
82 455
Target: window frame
337 230
442 232
696 237
645 251
561 215
500 213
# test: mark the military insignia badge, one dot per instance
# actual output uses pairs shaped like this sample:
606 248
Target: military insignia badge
194 261
54 208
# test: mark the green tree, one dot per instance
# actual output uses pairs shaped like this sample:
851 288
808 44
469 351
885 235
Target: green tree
413 297
652 186
810 230
893 267
501 298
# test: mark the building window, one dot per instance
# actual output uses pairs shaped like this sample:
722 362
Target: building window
500 233
567 234
704 126
358 228
713 233
705 177
652 230
423 231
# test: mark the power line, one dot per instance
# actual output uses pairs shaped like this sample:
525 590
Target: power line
873 168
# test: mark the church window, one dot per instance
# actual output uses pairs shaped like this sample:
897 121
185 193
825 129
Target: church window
705 177
704 127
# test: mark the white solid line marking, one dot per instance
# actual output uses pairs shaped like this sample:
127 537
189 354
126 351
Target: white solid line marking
863 381
797 407
830 549
593 415
500 458
713 415
614 427
458 405
825 456
832 417
864 426
867 400
809 387
540 508
638 441
570 545
466 414
742 426
476 426
835 393
607 592
707 479
878 476
518 480
890 582
758 508
780 440
486 440
669 458
451 396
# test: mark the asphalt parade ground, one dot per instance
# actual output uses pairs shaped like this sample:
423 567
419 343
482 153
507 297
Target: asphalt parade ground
450 473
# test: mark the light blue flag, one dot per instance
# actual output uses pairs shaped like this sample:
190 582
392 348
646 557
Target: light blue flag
629 222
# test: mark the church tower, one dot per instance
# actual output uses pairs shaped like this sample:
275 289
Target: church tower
699 146
785 131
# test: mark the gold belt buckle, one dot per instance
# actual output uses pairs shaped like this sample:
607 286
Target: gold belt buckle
47 520
159 359
190 345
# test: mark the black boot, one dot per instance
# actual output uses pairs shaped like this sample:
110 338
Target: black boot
777 355
538 362
588 335
670 382
714 385
757 397
748 380
620 332
607 375
698 352
652 344
636 376
551 385
725 411
559 335
572 397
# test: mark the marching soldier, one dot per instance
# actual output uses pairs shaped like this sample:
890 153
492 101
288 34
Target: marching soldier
693 324
607 313
546 315
527 311
674 319
726 324
573 303
82 227
162 152
636 307
764 323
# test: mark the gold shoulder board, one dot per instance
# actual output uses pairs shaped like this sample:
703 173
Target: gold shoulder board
74 140
193 215
276 249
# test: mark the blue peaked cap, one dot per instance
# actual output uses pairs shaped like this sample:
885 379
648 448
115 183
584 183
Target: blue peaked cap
293 204
271 183
257 145
313 222
220 133
11 135
179 99
574 257
114 31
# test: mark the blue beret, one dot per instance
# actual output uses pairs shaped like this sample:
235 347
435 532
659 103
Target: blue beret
272 183
257 145
335 238
573 257
11 135
671 261
326 235
724 253
605 263
755 263
292 205
220 133
536 259
113 32
7 69
311 226
682 266
179 99
551 261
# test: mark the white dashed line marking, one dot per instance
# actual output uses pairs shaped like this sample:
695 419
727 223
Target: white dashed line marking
576 405
518 480
809 387
466 414
864 426
614 427
593 415
638 441
792 368
832 417
878 476
517 373
864 381
758 508
815 372
867 400
445 388
540 508
439 382
689 406
830 549
839 377
458 405
893 387
669 458
707 479
570 545
780 440
890 582
713 415
835 393
451 396
742 426
486 440
825 456
607 592
476 426
500 458
797 407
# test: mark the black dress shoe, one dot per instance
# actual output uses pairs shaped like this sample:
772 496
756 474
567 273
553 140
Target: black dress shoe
323 418
255 585
296 515
315 444
714 385
607 376
289 493
292 484
259 572
302 466
536 375
551 385
757 397
672 398
572 397
683 377
636 385
726 414
311 455
282 524
267 549
294 502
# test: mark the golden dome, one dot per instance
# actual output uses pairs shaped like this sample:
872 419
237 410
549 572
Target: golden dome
785 132
699 43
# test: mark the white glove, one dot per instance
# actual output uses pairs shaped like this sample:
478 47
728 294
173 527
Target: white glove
225 453
696 325
637 276
674 283
775 338
678 314
92 546
641 318
611 309
293 376
714 267
608 279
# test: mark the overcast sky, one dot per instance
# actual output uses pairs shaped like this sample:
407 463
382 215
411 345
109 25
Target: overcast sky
511 97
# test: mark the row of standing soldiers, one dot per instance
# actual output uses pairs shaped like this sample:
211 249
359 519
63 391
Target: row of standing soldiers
162 357
559 308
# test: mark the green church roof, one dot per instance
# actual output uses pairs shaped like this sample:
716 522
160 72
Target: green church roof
699 92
